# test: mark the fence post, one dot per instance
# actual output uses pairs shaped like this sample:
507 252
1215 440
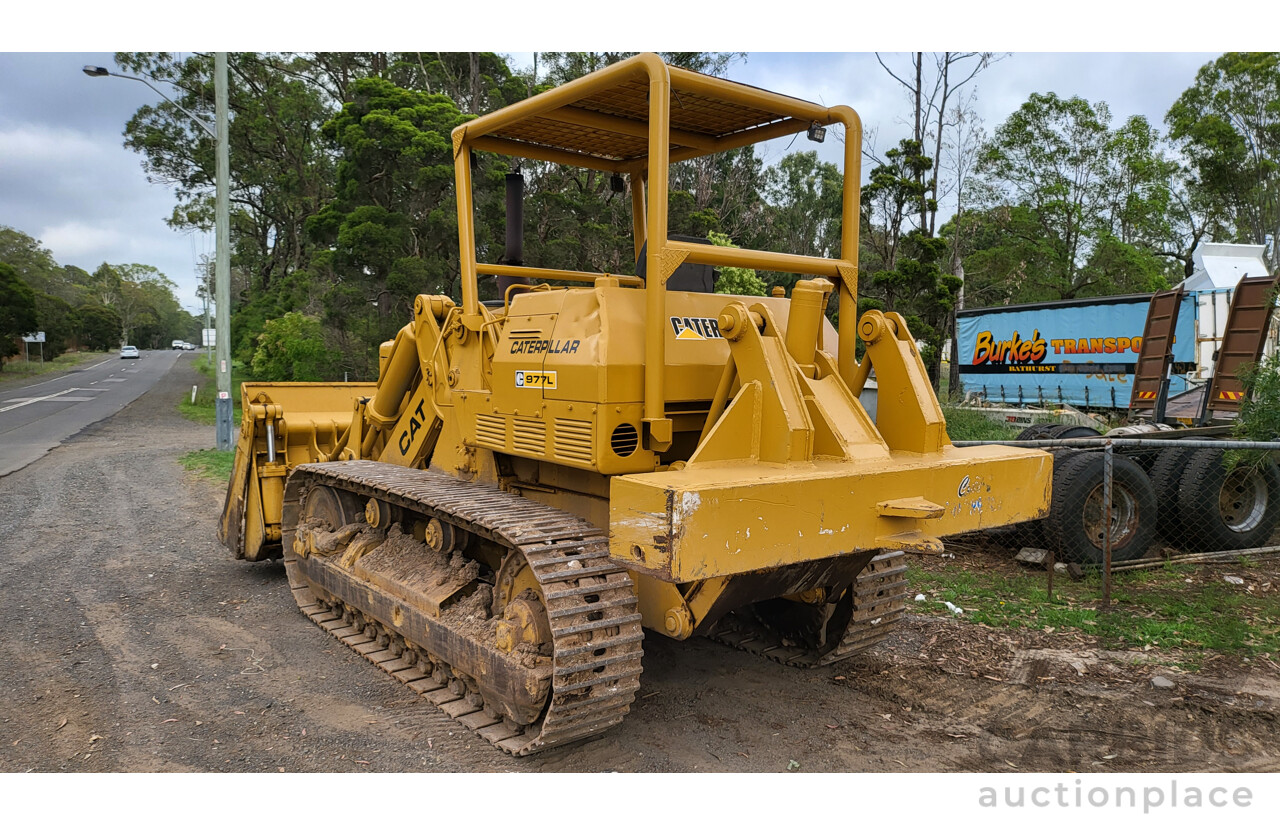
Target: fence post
1106 525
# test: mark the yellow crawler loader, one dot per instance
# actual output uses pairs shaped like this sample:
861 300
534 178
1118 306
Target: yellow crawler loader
532 483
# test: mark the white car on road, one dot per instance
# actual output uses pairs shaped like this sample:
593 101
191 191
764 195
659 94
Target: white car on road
129 352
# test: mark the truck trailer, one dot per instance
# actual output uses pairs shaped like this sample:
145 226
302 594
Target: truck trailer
1084 352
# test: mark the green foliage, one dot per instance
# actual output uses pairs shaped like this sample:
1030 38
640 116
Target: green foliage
736 280
390 232
203 410
214 465
17 311
1080 209
965 424
800 213
59 322
904 262
1152 609
1259 418
1260 411
100 327
66 362
141 299
280 171
30 260
291 348
1228 126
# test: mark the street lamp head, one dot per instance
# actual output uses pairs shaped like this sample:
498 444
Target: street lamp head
96 71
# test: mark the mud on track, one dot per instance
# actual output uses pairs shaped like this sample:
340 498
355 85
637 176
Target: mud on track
133 642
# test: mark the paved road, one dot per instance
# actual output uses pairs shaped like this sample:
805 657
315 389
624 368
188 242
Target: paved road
38 417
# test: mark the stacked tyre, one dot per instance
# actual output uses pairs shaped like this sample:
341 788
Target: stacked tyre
1207 503
1038 432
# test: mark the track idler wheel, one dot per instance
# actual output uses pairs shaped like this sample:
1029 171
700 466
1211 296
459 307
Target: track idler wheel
518 599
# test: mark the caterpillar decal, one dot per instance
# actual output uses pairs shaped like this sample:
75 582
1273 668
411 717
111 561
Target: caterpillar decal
695 329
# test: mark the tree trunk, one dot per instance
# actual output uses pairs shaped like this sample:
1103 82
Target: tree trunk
937 144
475 82
919 136
953 375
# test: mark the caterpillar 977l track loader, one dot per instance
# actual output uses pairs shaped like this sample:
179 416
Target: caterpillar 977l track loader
534 482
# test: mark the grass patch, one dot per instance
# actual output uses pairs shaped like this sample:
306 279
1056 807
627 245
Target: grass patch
14 370
964 424
1152 609
211 464
203 409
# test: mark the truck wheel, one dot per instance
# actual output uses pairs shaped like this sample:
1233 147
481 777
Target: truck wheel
1076 523
1037 533
1228 510
1166 479
1033 533
1034 432
1070 431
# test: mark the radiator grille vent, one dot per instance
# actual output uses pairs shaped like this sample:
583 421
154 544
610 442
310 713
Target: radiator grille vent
491 431
573 439
529 435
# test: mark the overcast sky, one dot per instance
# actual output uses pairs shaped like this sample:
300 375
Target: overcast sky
66 178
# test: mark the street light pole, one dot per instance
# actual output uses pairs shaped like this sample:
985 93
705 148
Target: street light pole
222 224
101 71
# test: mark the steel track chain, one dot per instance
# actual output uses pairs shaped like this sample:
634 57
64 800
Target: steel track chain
590 601
880 600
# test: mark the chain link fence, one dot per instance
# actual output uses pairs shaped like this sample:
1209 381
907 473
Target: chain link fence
1123 503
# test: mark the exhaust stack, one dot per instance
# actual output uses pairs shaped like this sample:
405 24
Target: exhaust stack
513 254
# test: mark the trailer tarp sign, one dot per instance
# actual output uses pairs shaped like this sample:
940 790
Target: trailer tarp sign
1076 352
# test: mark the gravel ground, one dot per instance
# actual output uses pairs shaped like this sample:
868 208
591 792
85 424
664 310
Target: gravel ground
133 642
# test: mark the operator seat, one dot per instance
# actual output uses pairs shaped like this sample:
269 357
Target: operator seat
687 277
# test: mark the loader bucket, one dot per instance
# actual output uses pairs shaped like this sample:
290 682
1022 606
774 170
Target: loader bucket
284 424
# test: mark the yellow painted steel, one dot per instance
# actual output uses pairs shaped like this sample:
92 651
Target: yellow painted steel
725 520
554 274
307 422
657 427
718 438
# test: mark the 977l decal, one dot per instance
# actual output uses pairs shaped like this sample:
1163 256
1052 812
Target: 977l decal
536 379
